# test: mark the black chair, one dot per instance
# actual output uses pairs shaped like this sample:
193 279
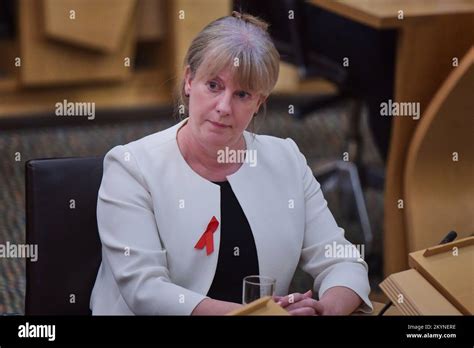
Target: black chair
61 201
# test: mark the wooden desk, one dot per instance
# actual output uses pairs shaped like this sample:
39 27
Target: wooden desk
432 33
384 13
265 306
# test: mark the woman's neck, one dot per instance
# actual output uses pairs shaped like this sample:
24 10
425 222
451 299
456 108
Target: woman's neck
204 159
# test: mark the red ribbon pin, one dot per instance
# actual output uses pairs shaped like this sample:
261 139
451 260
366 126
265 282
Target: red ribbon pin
207 239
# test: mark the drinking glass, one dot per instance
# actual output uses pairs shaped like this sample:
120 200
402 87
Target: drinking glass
257 286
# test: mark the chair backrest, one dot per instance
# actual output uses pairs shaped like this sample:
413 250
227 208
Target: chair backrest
61 201
438 179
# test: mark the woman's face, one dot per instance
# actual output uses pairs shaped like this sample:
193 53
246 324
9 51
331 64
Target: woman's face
219 110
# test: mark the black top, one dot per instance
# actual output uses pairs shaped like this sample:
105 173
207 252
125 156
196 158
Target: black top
237 251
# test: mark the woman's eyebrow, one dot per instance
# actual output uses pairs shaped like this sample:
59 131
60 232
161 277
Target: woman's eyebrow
217 79
221 80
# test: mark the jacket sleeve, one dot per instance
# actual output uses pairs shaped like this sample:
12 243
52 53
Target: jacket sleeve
321 237
131 243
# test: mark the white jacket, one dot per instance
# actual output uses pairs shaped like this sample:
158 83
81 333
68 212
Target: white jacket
153 208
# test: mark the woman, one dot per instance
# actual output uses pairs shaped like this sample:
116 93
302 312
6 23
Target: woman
183 216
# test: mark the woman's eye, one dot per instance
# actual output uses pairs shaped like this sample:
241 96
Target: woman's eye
243 94
213 85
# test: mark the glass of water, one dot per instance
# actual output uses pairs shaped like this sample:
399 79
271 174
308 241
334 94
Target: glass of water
256 286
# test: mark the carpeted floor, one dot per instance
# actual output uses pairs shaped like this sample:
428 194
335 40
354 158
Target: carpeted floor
320 137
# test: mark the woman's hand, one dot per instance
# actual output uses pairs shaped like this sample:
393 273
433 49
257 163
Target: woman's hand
300 304
208 306
337 300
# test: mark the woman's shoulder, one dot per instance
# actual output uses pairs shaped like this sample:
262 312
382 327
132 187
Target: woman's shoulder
277 152
152 148
154 140
273 144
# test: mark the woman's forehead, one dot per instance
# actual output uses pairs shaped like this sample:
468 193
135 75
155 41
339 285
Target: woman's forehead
229 76
242 70
226 75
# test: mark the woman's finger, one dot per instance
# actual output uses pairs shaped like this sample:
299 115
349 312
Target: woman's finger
318 307
303 311
276 298
290 299
306 302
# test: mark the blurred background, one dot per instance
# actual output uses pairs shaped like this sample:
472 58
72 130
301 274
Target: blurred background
340 61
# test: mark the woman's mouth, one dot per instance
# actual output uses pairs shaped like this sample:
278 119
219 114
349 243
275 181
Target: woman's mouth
219 125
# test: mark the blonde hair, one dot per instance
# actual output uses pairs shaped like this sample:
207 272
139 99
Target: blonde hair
240 41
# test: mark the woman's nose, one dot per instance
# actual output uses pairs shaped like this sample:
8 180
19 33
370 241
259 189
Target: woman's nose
224 104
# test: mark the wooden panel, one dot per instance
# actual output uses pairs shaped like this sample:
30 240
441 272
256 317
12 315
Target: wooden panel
262 306
384 13
422 64
151 24
289 83
97 24
46 62
288 79
451 274
197 14
440 191
419 297
145 88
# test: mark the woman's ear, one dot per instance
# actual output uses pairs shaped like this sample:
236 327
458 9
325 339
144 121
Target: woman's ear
188 78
